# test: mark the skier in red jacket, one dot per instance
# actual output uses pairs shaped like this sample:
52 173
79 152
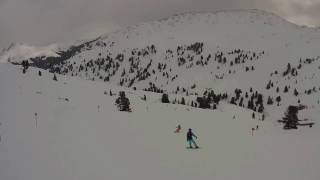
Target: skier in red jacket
178 128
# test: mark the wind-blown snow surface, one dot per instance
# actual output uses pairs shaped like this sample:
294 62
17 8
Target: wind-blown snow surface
73 141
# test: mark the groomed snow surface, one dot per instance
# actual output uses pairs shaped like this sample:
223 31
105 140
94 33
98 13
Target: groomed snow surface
74 140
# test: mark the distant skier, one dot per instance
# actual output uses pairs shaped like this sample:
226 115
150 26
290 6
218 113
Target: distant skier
190 139
178 128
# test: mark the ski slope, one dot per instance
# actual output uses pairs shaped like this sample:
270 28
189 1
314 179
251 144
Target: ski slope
74 140
182 52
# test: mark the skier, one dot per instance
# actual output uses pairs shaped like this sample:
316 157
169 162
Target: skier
190 139
178 128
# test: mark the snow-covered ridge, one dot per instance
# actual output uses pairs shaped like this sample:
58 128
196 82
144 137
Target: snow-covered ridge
19 52
177 28
194 52
251 17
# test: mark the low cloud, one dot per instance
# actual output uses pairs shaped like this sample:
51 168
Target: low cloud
41 22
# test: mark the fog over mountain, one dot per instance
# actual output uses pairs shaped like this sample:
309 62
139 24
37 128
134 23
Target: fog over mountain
42 22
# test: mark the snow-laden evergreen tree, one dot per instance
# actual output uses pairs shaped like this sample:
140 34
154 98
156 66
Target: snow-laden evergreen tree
55 77
165 98
123 102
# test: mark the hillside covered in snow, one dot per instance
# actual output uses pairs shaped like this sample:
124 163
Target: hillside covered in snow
228 75
71 129
241 54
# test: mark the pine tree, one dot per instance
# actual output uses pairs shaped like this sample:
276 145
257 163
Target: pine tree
123 102
232 101
25 65
174 101
259 99
165 98
182 101
214 106
261 108
241 102
278 99
250 104
270 101
295 92
55 77
39 73
204 102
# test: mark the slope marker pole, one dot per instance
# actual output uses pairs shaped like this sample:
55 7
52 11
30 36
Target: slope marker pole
36 119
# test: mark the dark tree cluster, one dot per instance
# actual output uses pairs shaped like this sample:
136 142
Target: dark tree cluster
25 65
104 68
110 67
165 98
123 102
293 71
311 90
254 102
291 120
210 99
153 88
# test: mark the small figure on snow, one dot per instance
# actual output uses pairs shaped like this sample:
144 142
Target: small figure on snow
190 139
252 130
178 128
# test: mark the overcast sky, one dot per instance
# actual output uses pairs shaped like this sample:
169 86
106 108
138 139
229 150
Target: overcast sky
40 22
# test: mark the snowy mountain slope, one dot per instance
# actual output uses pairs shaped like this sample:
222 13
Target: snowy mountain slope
194 52
19 52
73 139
